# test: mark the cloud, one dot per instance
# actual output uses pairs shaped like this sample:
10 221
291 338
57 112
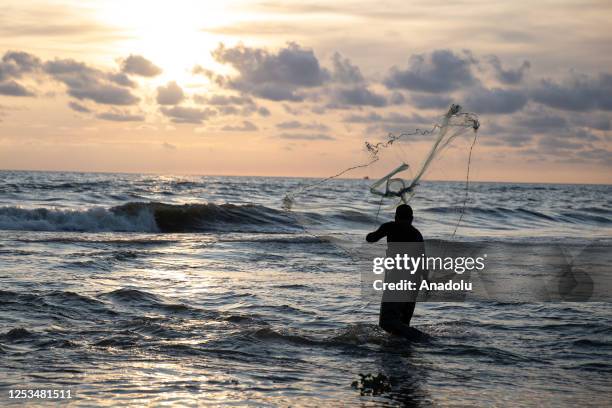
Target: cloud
230 110
121 79
75 106
585 135
598 122
242 105
356 96
551 144
514 139
580 93
367 118
274 76
550 129
391 123
224 100
393 117
278 93
603 156
496 100
220 80
181 114
305 136
84 82
541 121
430 101
263 111
16 63
397 98
294 124
344 71
317 109
119 116
20 19
245 127
509 76
442 71
12 88
139 65
291 110
385 11
168 146
171 94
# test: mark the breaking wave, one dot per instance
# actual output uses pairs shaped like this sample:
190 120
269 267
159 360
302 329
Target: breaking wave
151 217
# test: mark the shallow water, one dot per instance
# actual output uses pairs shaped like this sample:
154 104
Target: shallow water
231 300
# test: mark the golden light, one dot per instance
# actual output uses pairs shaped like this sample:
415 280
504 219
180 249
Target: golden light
172 34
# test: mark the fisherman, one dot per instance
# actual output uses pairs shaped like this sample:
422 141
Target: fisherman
396 311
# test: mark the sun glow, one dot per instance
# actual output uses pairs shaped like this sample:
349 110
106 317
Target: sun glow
173 34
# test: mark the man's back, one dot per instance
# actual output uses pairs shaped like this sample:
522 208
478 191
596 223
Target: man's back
396 231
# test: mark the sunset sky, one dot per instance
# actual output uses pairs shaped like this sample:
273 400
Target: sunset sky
293 88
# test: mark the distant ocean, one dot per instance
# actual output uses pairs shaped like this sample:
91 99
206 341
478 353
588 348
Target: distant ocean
145 289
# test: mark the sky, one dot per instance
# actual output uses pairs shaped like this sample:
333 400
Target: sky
294 88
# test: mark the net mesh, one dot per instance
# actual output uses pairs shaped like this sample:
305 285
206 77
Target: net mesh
450 126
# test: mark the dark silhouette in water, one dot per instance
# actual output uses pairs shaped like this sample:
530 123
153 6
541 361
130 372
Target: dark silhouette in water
395 316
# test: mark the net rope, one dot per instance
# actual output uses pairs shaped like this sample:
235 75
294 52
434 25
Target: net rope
453 124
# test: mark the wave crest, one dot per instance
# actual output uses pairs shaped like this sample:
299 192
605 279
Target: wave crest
151 217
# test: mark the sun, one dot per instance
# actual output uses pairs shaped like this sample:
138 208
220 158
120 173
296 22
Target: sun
172 34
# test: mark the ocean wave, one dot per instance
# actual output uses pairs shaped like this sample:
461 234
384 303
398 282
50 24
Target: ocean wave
591 215
119 341
155 217
72 186
88 239
359 334
158 327
353 335
489 353
354 216
213 217
596 367
277 239
132 295
16 334
592 344
54 303
140 299
269 334
91 220
151 217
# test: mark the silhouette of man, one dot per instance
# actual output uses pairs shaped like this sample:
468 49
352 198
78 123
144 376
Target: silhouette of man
395 315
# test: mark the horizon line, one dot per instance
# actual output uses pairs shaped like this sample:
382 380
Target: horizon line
294 177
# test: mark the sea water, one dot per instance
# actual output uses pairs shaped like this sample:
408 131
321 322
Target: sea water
193 290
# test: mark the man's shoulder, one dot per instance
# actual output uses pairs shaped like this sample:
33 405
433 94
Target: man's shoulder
417 233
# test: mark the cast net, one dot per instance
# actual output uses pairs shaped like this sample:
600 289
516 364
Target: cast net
442 134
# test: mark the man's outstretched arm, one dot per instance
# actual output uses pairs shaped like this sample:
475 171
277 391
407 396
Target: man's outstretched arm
381 232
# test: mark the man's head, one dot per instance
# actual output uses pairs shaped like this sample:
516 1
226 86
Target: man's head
403 213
